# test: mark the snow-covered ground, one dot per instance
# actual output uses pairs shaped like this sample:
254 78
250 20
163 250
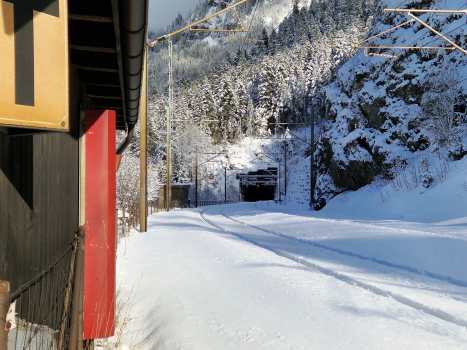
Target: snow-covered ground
383 267
361 274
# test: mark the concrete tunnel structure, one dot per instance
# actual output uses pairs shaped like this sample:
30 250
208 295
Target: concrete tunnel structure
260 185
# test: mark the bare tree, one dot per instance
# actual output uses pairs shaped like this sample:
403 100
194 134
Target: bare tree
127 189
438 107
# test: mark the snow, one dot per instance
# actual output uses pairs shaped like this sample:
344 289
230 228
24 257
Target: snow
379 268
210 41
366 81
360 274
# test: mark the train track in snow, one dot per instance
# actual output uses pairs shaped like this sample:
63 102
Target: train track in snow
440 314
406 268
378 227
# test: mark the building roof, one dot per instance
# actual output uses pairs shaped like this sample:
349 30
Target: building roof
107 43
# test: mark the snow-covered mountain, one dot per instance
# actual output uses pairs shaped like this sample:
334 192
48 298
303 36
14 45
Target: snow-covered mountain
274 81
389 116
395 123
390 122
200 52
382 265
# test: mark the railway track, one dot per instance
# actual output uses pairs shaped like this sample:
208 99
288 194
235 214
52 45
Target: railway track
440 314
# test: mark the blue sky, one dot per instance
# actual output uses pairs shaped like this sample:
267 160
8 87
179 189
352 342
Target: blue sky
163 12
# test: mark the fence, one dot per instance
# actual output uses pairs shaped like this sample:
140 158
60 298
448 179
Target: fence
203 203
129 217
39 314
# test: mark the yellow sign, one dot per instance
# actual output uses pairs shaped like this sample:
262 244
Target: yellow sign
34 64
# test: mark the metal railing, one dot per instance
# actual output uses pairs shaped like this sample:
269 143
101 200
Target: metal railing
39 313
203 203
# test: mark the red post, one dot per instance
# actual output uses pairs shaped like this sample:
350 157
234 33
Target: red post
99 253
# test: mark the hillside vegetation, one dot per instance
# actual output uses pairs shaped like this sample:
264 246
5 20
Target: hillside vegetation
378 120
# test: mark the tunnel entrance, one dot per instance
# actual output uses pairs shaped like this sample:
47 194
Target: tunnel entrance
258 185
258 193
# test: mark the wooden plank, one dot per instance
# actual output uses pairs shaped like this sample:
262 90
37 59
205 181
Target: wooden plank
105 97
38 205
93 49
76 17
96 69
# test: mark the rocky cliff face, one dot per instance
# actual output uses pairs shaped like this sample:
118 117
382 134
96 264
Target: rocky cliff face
382 112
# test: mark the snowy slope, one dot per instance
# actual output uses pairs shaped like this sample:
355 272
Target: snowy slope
382 266
384 113
277 277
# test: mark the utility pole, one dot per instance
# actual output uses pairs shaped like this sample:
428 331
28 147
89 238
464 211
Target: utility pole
168 192
143 154
210 160
279 183
279 174
285 168
168 37
312 154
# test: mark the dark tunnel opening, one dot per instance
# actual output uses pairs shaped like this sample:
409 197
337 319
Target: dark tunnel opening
255 193
258 185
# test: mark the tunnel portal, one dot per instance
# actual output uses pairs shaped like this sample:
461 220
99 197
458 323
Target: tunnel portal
258 185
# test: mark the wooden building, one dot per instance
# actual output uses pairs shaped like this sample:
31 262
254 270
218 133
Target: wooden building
179 197
71 74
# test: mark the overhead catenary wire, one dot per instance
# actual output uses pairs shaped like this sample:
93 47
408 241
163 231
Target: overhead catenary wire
428 43
167 36
239 23
379 24
409 13
450 30
428 32
397 6
422 47
446 34
386 31
424 34
438 33
243 47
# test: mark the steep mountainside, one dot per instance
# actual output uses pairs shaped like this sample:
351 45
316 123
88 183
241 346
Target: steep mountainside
378 120
273 81
387 115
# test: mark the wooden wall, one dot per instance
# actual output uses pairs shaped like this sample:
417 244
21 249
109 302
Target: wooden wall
39 198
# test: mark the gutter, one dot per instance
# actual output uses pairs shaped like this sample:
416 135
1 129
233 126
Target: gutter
133 24
133 15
